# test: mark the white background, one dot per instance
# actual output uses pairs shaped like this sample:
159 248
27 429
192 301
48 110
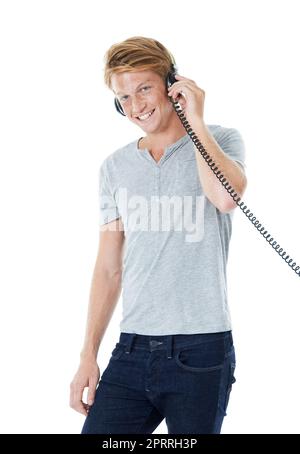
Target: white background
58 123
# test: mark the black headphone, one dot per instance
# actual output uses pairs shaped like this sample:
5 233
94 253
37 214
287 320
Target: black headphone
170 79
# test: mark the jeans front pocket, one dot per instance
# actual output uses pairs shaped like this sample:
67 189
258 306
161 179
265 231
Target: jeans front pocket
204 357
117 351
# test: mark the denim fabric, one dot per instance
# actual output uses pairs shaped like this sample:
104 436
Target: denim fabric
186 379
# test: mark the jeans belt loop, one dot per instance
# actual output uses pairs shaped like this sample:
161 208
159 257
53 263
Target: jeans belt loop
129 344
169 346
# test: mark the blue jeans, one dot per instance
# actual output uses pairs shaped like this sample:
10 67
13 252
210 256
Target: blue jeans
184 378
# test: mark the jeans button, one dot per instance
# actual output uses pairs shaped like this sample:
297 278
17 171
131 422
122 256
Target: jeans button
154 343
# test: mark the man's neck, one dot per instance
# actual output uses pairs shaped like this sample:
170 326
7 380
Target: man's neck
158 142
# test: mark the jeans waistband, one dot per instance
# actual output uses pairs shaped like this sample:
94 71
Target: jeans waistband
171 341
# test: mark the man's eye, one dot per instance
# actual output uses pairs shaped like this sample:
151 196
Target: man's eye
123 98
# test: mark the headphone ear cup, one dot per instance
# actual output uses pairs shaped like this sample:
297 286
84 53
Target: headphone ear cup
168 84
170 79
119 107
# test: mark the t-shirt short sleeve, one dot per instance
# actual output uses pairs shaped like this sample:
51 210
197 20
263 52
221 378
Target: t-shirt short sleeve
108 209
232 143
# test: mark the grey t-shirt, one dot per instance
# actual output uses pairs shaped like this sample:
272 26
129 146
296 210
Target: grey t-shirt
176 240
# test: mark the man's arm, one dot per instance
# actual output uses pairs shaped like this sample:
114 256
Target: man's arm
105 287
105 291
212 187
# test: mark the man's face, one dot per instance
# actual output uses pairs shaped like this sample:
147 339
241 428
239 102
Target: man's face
141 92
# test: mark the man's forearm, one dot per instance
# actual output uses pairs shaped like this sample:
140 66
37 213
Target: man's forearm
212 187
104 294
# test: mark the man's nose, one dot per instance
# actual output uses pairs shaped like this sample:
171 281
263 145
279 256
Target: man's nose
137 105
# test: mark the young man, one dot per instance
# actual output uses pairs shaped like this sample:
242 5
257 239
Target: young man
165 227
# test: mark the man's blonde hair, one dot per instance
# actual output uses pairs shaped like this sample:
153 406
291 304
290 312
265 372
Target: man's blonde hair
137 53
